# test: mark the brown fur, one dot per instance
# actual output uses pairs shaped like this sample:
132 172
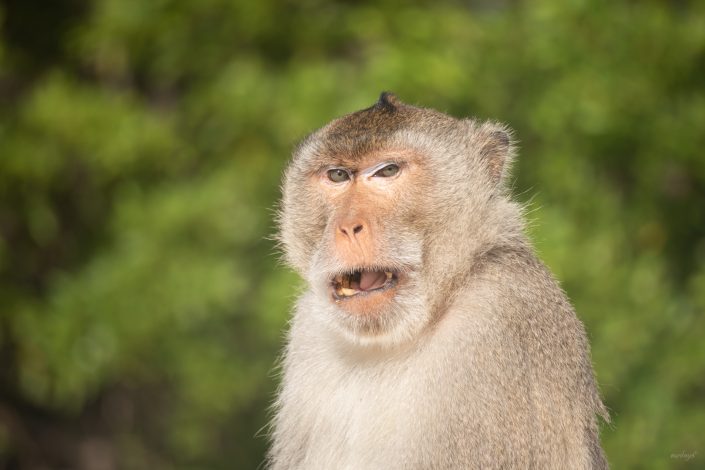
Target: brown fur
476 359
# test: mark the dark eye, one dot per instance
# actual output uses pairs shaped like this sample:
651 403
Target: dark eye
389 170
338 175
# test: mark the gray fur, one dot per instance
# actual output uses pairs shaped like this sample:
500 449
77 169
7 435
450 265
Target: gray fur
480 360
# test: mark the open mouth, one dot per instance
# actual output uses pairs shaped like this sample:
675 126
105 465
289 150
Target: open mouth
362 282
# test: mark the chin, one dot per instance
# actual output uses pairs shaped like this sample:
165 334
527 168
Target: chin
376 307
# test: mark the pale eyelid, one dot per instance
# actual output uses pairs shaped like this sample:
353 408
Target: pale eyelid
368 172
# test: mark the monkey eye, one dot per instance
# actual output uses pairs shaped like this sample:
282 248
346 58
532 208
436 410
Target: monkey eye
389 170
338 175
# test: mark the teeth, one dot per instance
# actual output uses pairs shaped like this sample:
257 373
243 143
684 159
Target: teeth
346 284
346 292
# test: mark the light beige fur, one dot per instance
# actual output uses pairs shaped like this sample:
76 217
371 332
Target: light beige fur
478 361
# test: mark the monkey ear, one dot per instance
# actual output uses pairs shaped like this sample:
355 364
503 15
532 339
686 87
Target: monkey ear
496 150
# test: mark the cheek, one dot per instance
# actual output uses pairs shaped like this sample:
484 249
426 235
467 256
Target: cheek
309 224
405 204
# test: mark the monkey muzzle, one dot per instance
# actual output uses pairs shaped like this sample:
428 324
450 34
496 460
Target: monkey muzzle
362 282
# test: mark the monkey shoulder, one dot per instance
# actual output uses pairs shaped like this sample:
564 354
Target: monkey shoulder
524 292
524 356
514 300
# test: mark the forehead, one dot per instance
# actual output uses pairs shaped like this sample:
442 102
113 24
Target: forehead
357 135
366 136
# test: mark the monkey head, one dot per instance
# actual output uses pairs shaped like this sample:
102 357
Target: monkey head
385 211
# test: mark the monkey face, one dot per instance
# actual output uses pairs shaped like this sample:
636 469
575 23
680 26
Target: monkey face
367 262
363 197
351 225
373 207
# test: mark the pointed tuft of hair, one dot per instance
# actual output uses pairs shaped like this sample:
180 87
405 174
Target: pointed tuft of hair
387 100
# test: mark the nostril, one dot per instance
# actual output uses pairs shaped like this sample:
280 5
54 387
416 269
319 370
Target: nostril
352 229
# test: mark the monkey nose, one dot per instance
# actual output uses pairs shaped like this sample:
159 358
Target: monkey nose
351 228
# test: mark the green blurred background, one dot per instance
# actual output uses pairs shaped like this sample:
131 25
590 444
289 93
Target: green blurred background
142 305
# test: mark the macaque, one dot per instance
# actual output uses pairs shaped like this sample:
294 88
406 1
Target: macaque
429 336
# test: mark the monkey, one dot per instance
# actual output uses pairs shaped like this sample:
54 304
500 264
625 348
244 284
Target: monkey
429 335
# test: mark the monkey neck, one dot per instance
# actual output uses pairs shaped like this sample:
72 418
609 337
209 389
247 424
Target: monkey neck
489 238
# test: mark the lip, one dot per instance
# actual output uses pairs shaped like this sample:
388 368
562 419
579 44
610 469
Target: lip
352 284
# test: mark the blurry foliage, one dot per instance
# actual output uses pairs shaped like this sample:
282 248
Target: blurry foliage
141 145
